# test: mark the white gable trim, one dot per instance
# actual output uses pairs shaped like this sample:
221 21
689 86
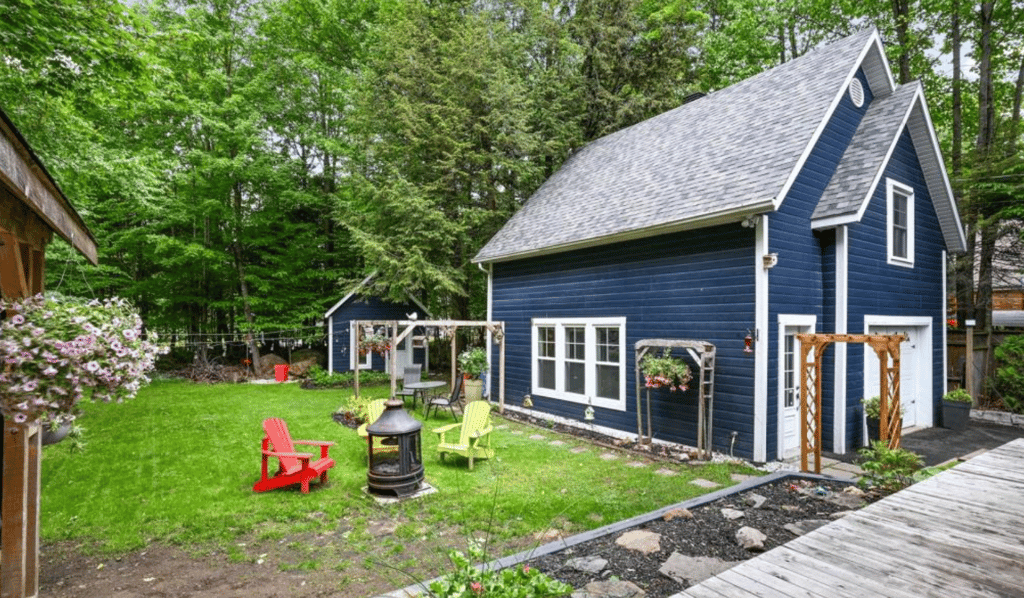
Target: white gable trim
358 287
875 42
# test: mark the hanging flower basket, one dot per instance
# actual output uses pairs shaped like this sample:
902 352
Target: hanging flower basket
665 371
375 343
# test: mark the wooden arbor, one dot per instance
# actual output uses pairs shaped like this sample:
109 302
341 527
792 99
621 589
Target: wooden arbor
32 209
399 329
703 353
887 347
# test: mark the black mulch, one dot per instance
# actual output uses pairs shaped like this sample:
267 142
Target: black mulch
707 534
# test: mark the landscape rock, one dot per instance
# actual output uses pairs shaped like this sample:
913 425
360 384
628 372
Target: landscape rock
750 539
299 369
587 564
267 363
677 514
610 589
732 514
704 483
690 570
754 500
640 541
807 525
847 500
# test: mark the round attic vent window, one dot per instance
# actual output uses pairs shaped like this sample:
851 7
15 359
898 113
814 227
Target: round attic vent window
857 93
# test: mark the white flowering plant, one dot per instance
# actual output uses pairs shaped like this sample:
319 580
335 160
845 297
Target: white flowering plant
54 347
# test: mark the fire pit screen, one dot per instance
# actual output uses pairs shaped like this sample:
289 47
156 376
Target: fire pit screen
396 460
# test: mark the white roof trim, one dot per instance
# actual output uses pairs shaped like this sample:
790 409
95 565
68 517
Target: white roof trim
701 221
355 289
875 41
917 101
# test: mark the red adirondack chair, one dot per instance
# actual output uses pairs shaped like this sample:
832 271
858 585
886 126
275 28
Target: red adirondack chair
295 468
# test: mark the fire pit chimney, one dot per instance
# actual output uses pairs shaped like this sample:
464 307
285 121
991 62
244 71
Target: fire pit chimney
396 460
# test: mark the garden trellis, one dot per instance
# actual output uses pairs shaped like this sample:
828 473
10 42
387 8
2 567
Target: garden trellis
703 354
398 330
887 347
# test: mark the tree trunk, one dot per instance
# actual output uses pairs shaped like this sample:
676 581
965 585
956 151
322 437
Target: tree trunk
986 101
901 17
956 44
243 286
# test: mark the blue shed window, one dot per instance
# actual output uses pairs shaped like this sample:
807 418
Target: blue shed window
580 360
900 234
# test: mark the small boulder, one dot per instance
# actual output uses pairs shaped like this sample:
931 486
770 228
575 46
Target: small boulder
754 500
587 564
732 514
677 514
640 541
750 539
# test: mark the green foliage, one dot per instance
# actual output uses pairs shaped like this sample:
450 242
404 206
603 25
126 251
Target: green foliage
665 371
467 581
958 395
886 469
321 378
473 361
1009 379
872 407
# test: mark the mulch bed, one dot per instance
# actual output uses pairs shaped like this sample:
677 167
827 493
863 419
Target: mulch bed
707 534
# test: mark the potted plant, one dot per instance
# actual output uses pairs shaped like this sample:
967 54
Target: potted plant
956 409
665 371
377 343
873 414
473 363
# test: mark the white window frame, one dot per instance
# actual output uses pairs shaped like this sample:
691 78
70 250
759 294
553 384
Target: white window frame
892 190
363 362
590 362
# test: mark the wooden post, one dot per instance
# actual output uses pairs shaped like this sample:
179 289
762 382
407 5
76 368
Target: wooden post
501 371
969 363
20 538
393 354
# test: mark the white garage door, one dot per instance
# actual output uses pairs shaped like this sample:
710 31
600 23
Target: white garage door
915 372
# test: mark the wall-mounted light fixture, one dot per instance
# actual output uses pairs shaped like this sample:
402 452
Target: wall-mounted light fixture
769 260
749 222
749 340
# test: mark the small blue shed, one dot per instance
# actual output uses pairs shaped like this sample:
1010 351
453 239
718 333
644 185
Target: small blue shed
343 354
809 198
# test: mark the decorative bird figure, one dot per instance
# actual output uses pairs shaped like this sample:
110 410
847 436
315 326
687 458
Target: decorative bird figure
413 316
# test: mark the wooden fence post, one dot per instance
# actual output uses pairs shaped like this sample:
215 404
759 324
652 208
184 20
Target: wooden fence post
20 537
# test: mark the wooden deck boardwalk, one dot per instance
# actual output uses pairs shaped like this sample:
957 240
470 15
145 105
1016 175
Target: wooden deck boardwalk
959 534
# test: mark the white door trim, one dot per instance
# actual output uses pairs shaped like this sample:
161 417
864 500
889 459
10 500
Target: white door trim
808 322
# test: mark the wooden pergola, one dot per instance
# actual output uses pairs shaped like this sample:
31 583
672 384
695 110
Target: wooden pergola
32 209
400 329
703 354
887 347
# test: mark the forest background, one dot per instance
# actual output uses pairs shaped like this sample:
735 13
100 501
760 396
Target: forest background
243 163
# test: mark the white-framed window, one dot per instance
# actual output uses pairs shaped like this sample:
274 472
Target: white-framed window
900 223
581 360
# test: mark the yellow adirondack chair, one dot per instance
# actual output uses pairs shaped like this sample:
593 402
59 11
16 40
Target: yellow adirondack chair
374 411
474 434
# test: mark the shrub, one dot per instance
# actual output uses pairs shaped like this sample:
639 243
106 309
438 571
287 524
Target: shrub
1009 379
886 469
958 395
473 361
516 582
321 378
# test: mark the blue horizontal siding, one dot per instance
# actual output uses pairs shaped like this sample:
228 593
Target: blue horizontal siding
691 285
884 289
802 282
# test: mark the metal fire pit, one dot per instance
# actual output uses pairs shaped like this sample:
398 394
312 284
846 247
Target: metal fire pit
396 460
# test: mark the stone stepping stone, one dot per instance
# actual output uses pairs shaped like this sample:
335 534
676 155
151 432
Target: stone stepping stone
517 432
609 456
636 464
691 570
802 527
640 541
732 514
538 437
587 564
666 472
501 427
704 483
578 449
741 477
610 589
556 443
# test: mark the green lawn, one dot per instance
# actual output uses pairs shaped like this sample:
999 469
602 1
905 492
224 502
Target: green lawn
177 465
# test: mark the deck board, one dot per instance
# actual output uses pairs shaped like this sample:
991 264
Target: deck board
955 534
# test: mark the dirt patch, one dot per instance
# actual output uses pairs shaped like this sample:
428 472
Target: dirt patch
709 533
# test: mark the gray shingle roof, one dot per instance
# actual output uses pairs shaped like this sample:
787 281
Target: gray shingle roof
864 159
726 154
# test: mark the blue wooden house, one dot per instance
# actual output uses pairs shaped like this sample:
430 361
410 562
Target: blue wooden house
342 352
809 198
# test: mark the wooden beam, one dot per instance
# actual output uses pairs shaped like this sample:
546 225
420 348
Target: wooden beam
29 182
20 511
13 279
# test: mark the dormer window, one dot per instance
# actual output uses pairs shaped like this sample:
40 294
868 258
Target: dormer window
900 230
